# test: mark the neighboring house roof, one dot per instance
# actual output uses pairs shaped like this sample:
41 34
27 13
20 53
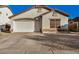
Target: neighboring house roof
76 19
42 6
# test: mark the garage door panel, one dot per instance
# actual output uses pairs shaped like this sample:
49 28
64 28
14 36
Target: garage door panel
24 26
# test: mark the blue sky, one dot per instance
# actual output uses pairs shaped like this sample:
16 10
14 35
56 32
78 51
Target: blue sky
72 10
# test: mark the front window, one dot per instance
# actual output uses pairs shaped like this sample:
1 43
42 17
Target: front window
54 23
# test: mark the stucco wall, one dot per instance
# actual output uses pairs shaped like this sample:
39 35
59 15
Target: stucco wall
64 19
5 13
46 20
30 13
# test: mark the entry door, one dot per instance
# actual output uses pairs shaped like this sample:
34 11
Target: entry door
38 24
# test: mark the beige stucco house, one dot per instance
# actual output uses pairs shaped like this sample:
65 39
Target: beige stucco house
39 19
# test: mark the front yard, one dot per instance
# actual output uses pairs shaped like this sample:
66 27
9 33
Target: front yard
36 43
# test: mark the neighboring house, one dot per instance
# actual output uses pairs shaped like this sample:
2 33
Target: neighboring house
74 24
39 19
5 13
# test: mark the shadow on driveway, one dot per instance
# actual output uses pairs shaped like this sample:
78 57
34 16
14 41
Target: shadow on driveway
60 42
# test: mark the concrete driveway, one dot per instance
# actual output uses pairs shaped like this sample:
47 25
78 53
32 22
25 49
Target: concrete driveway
37 43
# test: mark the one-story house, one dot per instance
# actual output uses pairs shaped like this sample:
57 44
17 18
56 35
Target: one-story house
39 19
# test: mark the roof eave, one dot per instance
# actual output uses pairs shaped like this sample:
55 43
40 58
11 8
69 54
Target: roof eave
62 12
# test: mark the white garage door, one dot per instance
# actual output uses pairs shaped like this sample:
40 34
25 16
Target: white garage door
23 26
